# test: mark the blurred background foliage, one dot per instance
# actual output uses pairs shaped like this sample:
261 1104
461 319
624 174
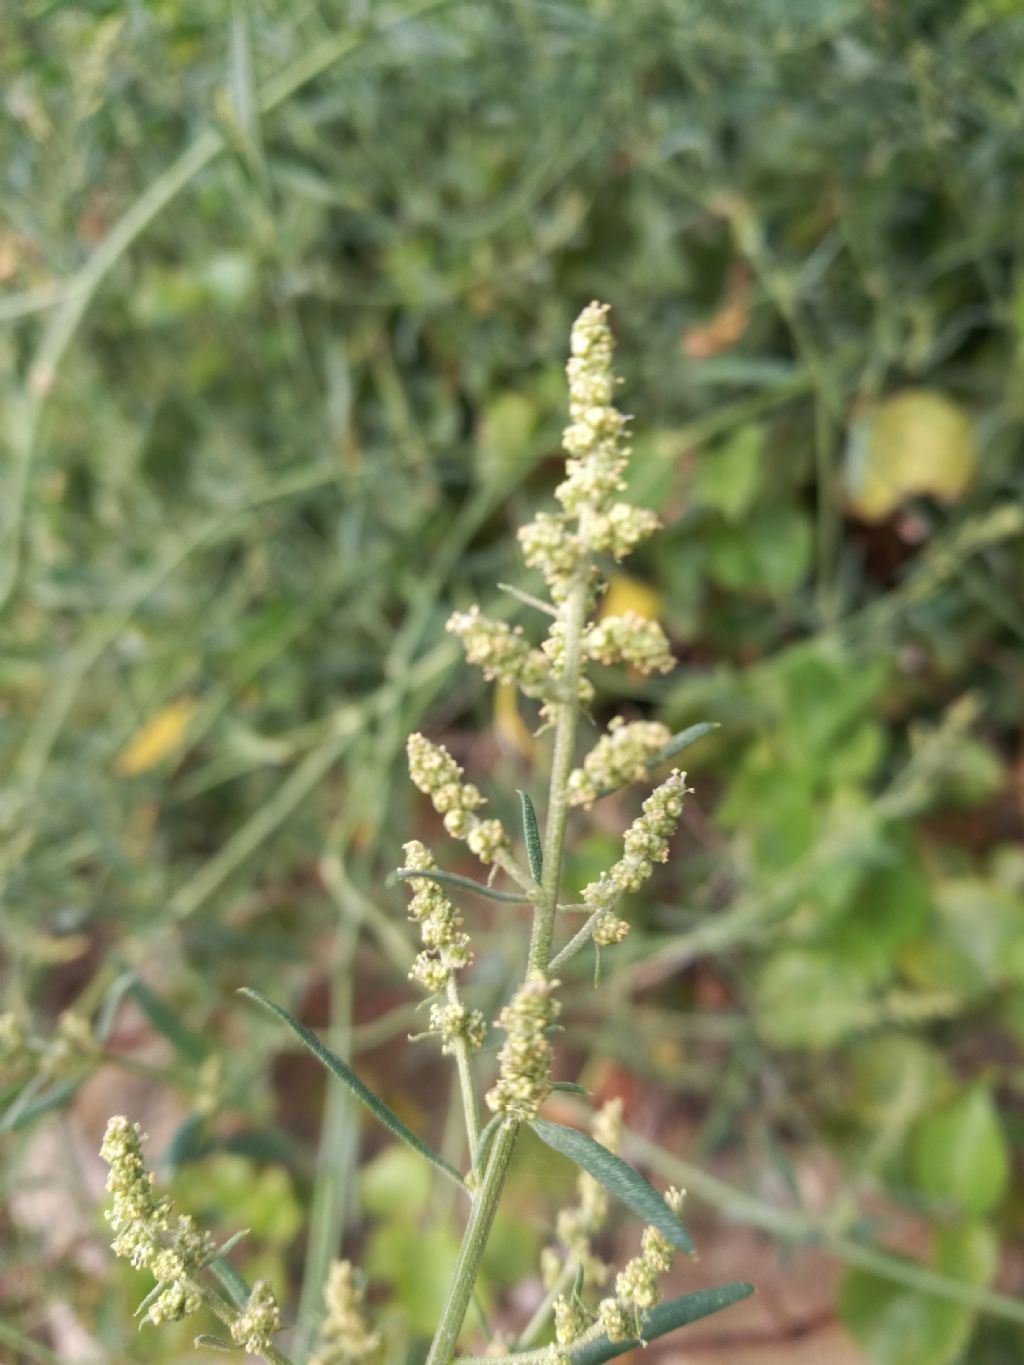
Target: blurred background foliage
286 299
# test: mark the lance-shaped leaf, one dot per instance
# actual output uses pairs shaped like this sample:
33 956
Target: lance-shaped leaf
617 1177
467 883
485 1139
682 740
362 1092
666 1317
531 834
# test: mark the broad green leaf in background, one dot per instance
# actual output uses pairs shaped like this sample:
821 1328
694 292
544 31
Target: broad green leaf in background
617 1177
806 997
960 1156
768 556
900 1326
727 477
917 441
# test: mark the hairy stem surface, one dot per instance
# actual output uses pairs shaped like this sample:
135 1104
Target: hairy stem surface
485 1204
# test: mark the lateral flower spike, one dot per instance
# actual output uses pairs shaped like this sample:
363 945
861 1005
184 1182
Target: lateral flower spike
630 639
504 653
345 1335
524 1076
645 843
436 774
141 1218
256 1326
619 757
636 1286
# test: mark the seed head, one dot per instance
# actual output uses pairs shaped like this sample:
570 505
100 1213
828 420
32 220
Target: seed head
524 1078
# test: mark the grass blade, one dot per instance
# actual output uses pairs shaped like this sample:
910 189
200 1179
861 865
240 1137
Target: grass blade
617 1177
344 1073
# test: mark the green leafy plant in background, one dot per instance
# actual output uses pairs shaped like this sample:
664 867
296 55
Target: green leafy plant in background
593 525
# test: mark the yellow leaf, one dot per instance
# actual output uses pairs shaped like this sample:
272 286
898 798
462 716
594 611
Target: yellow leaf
917 441
629 594
159 737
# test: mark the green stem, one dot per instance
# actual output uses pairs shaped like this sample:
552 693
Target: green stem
485 1204
573 613
461 1051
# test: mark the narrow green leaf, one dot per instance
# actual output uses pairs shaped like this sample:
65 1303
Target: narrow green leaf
154 1293
674 746
571 1087
166 1021
467 883
682 741
232 1242
344 1073
213 1343
28 1104
484 1141
532 836
617 1177
231 1281
667 1317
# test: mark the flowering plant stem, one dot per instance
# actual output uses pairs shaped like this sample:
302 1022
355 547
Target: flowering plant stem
561 763
486 1199
485 1204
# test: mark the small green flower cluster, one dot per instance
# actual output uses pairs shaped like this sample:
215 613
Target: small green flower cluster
504 653
618 757
15 1053
175 1267
436 774
141 1220
631 639
645 843
579 1224
255 1327
446 947
446 951
454 1022
597 451
140 1217
345 1336
569 1324
636 1286
65 1053
524 1062
71 1046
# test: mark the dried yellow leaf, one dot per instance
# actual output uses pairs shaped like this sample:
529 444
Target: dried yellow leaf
159 737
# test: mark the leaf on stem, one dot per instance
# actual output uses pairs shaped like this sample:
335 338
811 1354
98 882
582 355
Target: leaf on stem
454 879
667 1317
344 1073
485 1139
617 1177
531 834
682 741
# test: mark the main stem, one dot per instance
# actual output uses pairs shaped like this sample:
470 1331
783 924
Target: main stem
573 613
485 1201
485 1204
